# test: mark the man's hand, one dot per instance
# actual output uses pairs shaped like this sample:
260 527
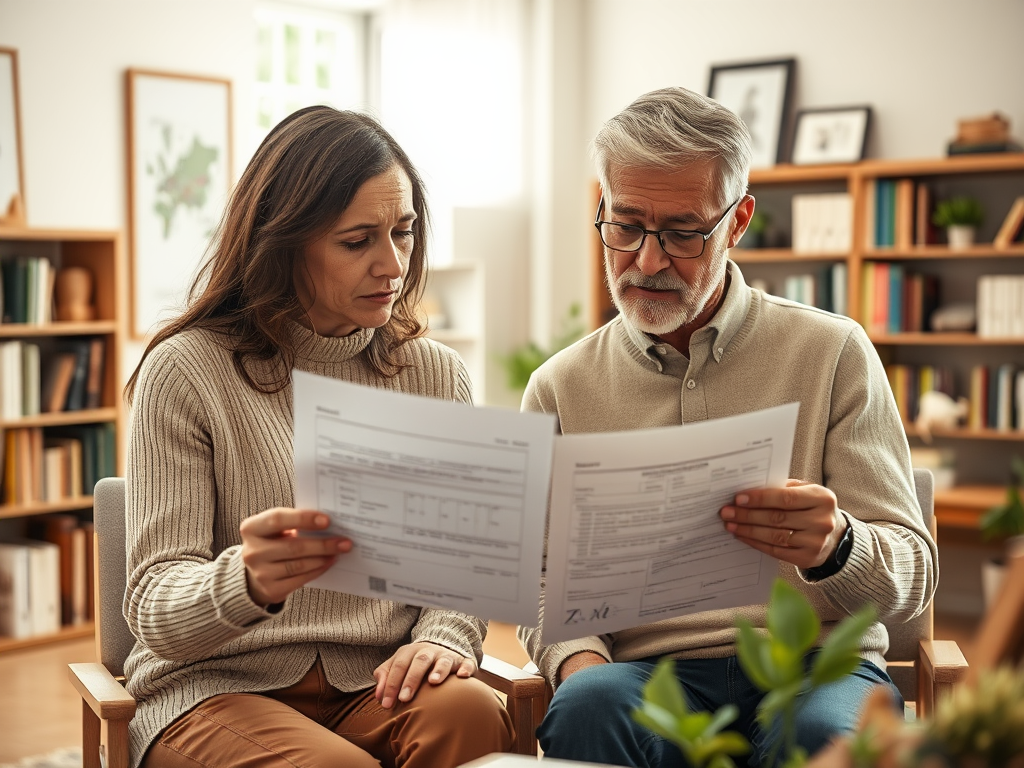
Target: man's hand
401 675
800 524
579 662
278 560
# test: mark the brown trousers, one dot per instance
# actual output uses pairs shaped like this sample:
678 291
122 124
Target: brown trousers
313 725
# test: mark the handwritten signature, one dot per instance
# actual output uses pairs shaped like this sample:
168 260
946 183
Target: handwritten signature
597 613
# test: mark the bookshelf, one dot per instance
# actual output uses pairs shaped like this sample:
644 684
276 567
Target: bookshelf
101 253
982 453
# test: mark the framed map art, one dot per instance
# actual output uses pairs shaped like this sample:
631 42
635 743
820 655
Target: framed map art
179 177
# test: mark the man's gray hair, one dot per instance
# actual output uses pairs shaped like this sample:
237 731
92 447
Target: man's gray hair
671 128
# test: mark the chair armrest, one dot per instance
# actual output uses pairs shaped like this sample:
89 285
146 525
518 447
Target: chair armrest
943 660
942 665
510 679
102 692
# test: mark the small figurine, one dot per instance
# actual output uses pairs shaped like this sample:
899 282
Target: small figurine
73 294
939 410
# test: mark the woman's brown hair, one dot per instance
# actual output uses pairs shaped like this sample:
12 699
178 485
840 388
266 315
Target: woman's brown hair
301 179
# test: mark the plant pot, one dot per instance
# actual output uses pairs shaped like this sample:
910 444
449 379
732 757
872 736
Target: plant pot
960 236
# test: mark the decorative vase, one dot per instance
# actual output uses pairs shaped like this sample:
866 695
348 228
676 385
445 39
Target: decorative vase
960 236
73 294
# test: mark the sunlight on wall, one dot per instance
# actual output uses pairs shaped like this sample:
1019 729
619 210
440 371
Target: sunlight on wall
451 92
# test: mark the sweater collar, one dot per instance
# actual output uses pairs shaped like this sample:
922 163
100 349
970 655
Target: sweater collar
314 347
719 331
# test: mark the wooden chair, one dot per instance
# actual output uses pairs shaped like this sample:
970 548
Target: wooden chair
104 699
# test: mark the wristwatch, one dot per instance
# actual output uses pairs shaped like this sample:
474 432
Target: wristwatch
836 560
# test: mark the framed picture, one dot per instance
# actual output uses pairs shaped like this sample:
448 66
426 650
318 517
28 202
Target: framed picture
12 172
759 92
833 135
179 176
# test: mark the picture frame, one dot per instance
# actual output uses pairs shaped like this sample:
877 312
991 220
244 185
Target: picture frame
12 165
759 92
179 130
831 134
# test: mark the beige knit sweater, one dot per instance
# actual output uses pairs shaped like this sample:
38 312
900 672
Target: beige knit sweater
759 351
207 451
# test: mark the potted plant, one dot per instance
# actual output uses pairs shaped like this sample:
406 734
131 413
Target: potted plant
757 227
960 216
1005 521
523 361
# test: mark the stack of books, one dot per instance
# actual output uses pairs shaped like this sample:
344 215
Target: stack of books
46 581
824 289
1001 306
63 463
997 398
26 290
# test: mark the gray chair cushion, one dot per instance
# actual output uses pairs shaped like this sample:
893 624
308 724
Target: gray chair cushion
115 640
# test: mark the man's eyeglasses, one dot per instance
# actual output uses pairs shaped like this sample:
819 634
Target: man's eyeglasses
677 243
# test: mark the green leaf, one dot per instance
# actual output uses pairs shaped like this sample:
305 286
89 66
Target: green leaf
787 663
750 650
842 647
776 702
731 743
722 718
693 726
796 759
791 618
664 690
657 720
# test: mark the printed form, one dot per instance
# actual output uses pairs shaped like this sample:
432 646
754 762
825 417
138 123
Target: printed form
635 535
444 502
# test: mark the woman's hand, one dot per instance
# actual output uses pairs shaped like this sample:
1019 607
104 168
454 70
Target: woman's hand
800 524
278 559
401 675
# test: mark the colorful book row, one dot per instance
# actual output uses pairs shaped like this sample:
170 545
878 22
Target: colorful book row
997 398
894 300
62 463
909 382
69 380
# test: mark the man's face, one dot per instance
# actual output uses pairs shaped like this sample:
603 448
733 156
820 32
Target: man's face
656 293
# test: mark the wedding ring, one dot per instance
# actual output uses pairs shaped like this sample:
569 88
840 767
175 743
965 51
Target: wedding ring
790 537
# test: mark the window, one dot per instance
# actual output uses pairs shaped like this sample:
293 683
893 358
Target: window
306 56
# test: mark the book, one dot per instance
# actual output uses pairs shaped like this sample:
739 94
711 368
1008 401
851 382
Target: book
60 370
1011 226
90 569
15 591
44 585
79 578
94 379
904 213
924 233
11 379
963 148
60 530
30 394
79 377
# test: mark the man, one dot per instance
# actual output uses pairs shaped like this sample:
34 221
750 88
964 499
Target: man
693 342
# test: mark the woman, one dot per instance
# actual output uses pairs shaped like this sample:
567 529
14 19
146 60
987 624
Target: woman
318 266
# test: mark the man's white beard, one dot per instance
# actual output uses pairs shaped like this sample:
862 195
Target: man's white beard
654 316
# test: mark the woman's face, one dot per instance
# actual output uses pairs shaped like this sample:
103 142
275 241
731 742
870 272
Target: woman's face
351 277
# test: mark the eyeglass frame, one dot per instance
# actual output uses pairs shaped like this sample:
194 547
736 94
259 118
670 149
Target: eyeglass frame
658 232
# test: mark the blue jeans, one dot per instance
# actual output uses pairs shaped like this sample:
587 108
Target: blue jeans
589 717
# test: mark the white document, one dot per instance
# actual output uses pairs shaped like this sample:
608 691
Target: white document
635 535
444 503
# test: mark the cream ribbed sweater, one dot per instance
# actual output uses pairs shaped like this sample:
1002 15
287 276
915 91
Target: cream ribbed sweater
206 452
757 352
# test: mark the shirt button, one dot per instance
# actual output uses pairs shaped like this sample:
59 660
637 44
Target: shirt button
691 384
721 351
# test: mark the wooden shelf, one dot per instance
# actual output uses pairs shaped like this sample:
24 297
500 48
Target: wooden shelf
8 644
61 418
780 256
970 434
963 506
931 252
45 507
94 328
945 339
